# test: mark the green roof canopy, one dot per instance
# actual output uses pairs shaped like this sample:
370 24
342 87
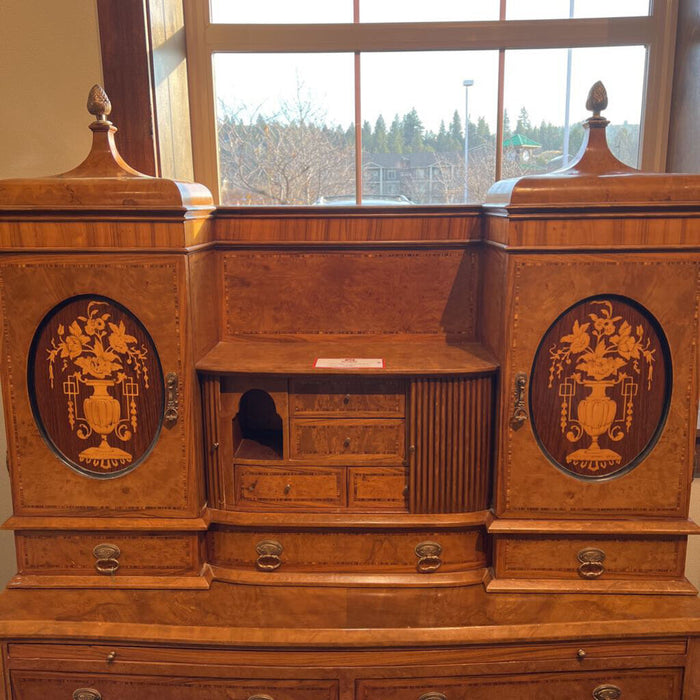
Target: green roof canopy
520 141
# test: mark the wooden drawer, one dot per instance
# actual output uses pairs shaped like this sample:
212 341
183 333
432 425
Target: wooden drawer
379 551
340 440
656 684
589 558
347 397
123 554
37 685
264 487
378 488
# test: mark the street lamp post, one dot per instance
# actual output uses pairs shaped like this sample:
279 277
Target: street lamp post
467 84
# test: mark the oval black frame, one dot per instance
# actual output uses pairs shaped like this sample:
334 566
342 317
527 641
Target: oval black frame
32 393
665 352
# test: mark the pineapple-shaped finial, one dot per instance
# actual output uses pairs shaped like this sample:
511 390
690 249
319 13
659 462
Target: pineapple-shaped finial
597 99
98 103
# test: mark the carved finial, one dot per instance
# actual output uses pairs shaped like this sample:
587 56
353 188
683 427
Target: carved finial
597 99
98 103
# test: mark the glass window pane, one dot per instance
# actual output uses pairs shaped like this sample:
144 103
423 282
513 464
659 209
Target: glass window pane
280 11
413 107
578 9
535 133
421 11
285 125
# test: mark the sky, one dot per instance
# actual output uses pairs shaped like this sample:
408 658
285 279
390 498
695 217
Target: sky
431 82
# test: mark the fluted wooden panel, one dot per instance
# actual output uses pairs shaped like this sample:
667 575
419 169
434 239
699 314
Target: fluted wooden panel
210 401
450 437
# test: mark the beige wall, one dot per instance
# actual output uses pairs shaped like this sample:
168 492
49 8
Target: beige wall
49 60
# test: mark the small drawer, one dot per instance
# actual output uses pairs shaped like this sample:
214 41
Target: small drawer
38 685
347 397
338 440
108 553
589 558
264 487
637 684
378 488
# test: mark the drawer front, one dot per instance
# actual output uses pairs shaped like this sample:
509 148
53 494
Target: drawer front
334 551
31 685
584 558
347 397
340 440
107 553
378 488
657 684
259 486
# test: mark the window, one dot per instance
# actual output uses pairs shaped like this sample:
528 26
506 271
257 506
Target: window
297 102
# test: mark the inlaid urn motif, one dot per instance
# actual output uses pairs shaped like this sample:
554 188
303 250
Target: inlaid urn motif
100 360
599 387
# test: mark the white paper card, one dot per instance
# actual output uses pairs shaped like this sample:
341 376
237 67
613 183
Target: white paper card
349 363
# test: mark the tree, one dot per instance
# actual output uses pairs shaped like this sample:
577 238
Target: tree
455 131
413 132
381 140
396 136
523 125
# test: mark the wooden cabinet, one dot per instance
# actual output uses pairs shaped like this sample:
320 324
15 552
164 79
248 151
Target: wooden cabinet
433 454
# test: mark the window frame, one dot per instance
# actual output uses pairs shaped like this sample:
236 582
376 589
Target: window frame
657 32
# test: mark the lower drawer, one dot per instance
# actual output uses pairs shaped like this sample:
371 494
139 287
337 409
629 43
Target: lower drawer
83 556
656 684
35 685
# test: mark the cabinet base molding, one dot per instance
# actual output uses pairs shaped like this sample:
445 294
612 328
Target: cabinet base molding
543 585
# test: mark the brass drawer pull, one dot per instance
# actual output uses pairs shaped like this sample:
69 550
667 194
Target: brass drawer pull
607 692
260 697
268 555
433 696
86 694
346 399
107 556
591 565
172 409
346 442
519 410
428 554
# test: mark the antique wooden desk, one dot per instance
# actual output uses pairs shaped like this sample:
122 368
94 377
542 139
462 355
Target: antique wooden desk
428 454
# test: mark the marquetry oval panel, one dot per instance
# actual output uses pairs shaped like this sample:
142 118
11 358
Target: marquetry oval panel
96 386
600 387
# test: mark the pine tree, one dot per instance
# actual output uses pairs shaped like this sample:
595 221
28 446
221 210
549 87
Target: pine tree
381 140
367 137
413 131
455 132
523 125
396 136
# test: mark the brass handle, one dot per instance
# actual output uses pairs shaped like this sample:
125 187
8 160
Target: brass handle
268 555
260 697
346 442
171 401
107 556
86 694
346 399
591 565
433 696
428 554
607 692
519 409
111 656
581 654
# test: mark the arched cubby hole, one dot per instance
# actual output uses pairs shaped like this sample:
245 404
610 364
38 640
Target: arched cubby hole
258 427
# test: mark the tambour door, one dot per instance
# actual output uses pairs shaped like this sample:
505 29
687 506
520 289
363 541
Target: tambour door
98 392
598 396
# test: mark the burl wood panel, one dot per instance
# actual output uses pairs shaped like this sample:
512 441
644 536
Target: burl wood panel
377 488
32 685
450 431
638 684
543 288
557 557
336 396
72 553
354 551
283 487
350 292
343 440
154 291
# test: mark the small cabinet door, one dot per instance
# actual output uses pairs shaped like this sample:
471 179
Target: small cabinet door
98 395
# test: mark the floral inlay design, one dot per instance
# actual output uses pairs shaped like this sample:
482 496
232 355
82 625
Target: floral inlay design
97 352
602 351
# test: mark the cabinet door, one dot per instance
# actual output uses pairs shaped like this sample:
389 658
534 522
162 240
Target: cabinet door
598 400
92 349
